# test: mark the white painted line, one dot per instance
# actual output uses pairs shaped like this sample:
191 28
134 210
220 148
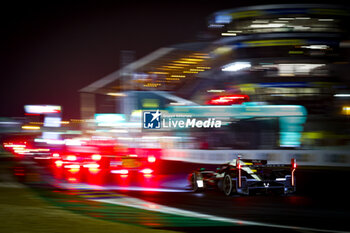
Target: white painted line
78 186
150 206
11 185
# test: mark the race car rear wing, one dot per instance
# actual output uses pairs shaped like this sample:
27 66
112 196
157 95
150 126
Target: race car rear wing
263 163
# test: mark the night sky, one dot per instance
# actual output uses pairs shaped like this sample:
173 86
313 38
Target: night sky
51 49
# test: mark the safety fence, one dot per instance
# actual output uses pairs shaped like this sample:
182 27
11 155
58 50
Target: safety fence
303 157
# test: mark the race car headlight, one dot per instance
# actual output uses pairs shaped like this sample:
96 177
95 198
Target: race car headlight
200 183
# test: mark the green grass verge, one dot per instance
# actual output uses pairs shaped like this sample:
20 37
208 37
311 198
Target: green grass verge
22 211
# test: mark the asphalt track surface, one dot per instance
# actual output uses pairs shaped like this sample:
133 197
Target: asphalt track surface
321 201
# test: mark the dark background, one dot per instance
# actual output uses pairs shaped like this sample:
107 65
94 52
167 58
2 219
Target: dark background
50 50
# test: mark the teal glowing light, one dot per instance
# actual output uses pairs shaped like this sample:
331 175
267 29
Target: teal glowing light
291 117
109 119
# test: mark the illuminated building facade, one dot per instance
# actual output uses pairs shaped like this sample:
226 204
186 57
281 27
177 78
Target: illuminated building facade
276 54
285 53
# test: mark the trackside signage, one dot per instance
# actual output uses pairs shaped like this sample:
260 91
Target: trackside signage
158 120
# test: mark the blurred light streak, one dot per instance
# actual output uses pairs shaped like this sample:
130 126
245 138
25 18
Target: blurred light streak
116 94
270 25
147 175
31 127
228 34
122 171
72 179
71 157
41 109
55 155
326 20
96 157
342 95
73 167
73 142
215 91
236 66
59 163
91 165
10 123
315 46
146 171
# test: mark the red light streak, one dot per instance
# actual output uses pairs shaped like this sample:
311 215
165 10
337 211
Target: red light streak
229 100
238 165
294 166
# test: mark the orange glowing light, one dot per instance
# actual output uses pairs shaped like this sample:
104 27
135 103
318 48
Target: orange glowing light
58 163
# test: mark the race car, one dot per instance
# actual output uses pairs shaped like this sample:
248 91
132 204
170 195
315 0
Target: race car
106 154
135 160
24 147
246 176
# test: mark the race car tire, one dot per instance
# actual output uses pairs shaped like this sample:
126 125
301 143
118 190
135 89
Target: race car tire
228 185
